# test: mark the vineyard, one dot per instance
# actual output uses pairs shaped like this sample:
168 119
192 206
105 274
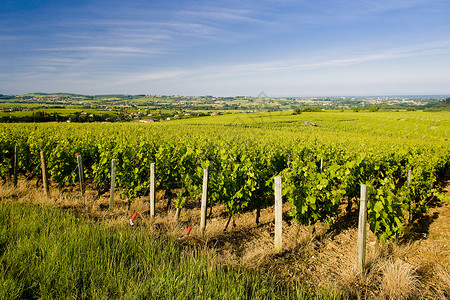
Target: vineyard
400 156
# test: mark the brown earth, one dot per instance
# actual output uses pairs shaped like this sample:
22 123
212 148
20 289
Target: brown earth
320 257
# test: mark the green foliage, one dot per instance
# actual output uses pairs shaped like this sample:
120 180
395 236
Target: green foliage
312 109
297 111
243 153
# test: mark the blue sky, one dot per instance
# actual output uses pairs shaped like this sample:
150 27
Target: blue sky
225 48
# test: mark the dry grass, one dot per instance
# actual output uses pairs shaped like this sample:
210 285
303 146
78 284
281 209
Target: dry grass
399 281
320 257
442 280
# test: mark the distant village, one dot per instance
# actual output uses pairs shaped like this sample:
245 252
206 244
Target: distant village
60 107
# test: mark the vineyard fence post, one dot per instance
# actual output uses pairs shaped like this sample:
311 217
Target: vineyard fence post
113 183
44 173
177 214
152 190
81 175
278 214
321 164
408 212
204 198
362 229
16 167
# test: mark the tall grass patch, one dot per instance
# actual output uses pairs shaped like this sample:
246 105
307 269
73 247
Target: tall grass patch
49 254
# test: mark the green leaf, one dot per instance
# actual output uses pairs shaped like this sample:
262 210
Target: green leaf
378 207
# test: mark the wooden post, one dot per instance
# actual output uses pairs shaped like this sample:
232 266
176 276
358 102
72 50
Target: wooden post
204 198
321 164
44 174
16 167
408 212
362 229
152 190
278 213
113 183
177 214
81 175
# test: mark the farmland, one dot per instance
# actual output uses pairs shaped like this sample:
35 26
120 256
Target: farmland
322 167
60 107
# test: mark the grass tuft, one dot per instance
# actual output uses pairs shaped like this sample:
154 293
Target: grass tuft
399 280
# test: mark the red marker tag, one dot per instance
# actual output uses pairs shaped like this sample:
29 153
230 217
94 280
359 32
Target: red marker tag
78 154
188 230
132 219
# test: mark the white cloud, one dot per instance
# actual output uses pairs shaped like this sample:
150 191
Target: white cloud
157 75
104 49
308 63
217 14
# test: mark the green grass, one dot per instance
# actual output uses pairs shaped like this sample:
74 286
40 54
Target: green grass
49 254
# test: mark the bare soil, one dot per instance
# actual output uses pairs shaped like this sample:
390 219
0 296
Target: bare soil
319 257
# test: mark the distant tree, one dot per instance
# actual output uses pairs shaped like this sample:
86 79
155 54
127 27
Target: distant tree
297 111
410 109
373 108
356 109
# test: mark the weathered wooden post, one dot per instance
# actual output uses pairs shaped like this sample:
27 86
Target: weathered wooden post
408 212
362 229
81 175
204 198
113 183
16 167
177 214
44 174
152 190
278 214
321 164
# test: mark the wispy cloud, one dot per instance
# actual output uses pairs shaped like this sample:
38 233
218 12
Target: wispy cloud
103 49
156 75
271 68
9 38
217 14
324 12
135 43
322 62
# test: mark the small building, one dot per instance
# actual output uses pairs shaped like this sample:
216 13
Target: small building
146 120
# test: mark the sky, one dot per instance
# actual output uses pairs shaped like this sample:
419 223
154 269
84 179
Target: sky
226 48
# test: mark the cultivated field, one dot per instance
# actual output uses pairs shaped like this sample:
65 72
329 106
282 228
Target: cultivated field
403 157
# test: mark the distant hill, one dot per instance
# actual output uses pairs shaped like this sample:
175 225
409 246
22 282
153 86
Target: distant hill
55 94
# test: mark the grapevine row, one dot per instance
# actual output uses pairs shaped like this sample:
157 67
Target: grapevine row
242 165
